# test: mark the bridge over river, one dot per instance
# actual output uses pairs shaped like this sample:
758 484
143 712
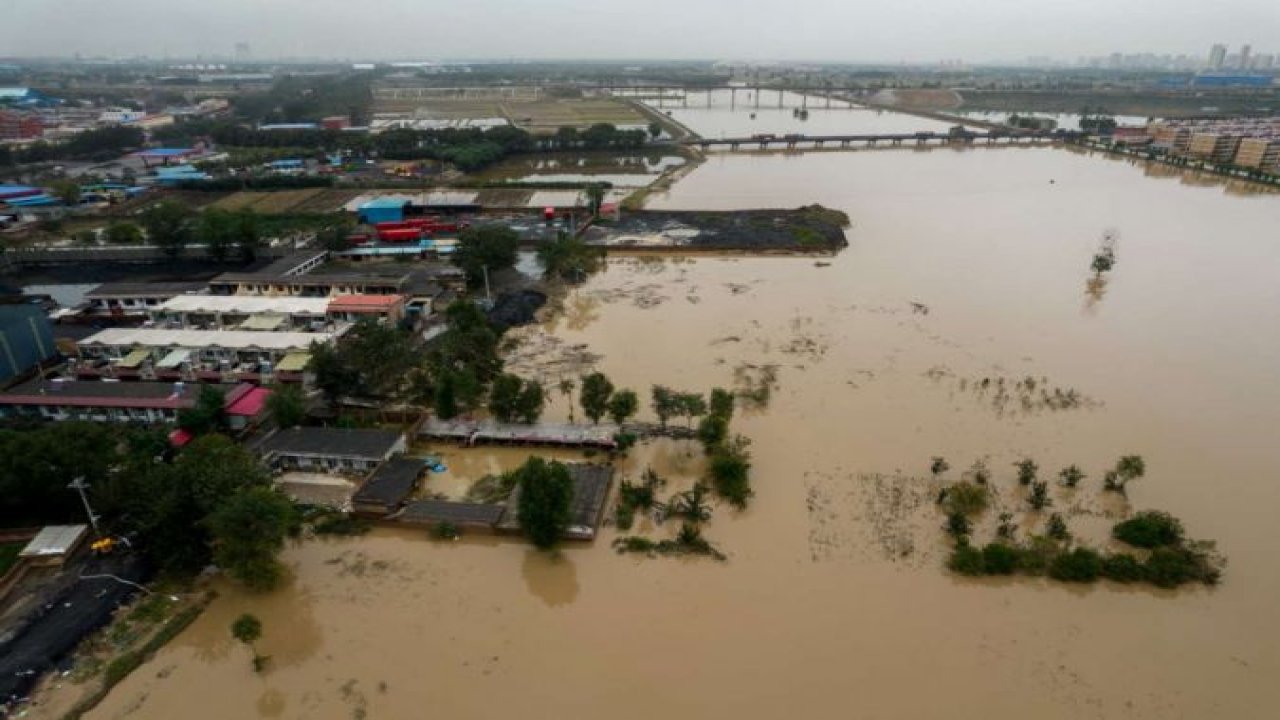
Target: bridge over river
797 141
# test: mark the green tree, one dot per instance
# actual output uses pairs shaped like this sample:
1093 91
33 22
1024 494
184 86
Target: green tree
1039 497
1079 565
247 235
248 629
209 414
721 404
334 238
216 229
1057 528
730 470
712 432
287 406
1149 529
1071 475
546 498
248 533
67 191
569 258
530 403
665 404
168 225
491 246
123 233
596 391
567 386
691 504
504 397
690 406
623 405
333 376
655 130
1027 469
445 404
595 197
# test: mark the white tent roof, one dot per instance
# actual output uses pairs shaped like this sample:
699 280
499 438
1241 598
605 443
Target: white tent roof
247 305
227 339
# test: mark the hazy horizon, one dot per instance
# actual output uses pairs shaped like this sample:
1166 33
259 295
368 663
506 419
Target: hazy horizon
917 31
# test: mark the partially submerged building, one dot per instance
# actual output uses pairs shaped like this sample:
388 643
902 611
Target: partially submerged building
348 450
388 487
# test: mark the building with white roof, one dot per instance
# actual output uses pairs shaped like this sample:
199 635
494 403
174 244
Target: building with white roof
206 355
243 312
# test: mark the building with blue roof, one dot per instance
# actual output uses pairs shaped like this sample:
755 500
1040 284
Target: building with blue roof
383 209
24 97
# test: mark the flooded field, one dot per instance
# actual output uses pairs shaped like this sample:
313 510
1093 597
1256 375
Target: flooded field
628 171
963 266
719 119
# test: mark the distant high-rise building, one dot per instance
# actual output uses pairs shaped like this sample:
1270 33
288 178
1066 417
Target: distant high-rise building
1244 57
1217 56
243 52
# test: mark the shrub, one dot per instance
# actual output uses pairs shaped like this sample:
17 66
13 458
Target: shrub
1122 567
966 499
1057 528
1079 565
958 525
1000 559
1036 556
1173 566
1150 529
966 560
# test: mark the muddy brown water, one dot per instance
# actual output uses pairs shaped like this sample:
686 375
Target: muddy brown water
833 602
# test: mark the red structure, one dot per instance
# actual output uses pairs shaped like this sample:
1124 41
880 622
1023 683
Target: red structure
336 122
20 126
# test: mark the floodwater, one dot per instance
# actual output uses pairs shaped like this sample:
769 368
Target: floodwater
742 118
622 170
962 266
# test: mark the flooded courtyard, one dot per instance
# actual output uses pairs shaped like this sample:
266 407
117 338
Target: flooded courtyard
963 266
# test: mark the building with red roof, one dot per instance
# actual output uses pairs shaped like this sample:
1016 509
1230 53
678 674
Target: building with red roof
352 308
139 402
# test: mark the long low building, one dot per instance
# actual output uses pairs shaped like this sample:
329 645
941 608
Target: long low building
139 402
136 298
243 312
331 449
206 355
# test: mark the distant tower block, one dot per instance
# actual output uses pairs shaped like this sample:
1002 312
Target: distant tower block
243 52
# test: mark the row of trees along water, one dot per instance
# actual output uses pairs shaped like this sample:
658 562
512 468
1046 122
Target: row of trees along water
467 148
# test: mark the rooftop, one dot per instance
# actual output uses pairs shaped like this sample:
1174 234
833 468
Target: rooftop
392 483
54 540
143 289
243 304
96 393
249 404
332 442
227 339
357 303
461 514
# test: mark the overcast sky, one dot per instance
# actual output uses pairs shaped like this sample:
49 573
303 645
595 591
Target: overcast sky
835 30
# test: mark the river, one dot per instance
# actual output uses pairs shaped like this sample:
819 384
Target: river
963 265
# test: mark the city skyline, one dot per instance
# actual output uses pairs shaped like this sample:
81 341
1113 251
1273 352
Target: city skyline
998 31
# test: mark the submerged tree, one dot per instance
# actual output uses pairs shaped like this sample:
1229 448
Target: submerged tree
596 391
1071 475
248 629
938 465
546 497
1027 469
623 405
248 532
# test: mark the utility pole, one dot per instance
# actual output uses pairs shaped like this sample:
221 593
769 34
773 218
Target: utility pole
80 486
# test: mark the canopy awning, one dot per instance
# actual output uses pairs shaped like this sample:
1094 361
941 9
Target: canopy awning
174 359
294 362
134 359
263 322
